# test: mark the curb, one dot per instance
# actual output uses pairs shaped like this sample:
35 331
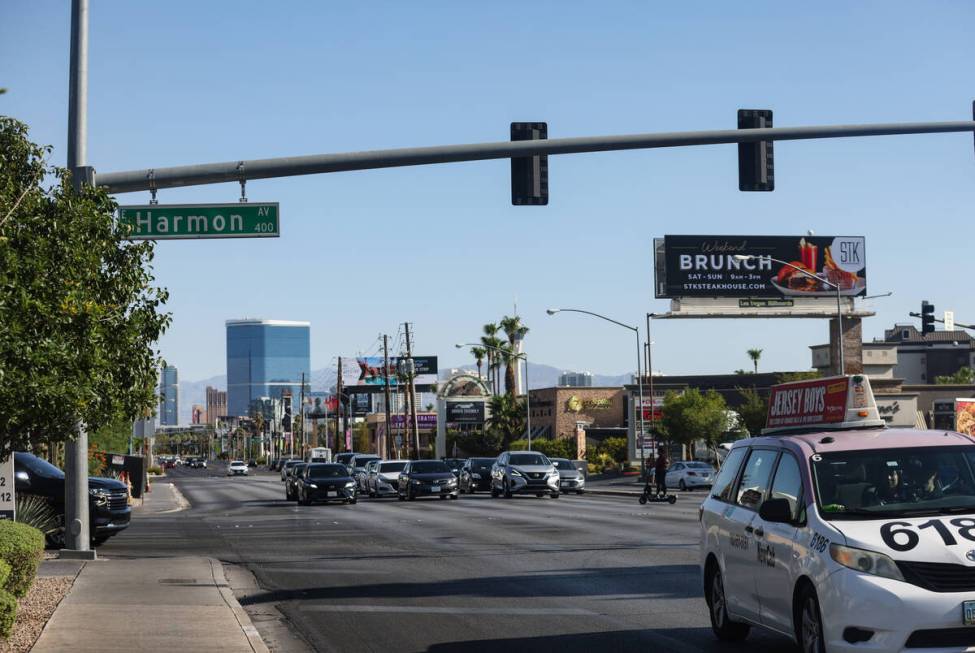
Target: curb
243 620
181 501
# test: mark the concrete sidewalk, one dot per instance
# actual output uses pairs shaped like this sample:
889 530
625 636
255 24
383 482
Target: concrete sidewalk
150 604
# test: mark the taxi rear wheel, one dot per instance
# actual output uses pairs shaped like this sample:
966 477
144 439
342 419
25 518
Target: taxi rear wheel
724 629
810 622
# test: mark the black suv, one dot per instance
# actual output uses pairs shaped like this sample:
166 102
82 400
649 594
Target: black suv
108 499
427 478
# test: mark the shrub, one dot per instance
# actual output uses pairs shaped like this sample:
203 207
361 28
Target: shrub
4 572
8 613
155 469
21 547
38 512
615 448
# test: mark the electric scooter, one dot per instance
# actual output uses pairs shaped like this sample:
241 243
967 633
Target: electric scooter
650 495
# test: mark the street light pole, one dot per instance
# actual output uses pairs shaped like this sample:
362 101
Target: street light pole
528 406
839 303
639 375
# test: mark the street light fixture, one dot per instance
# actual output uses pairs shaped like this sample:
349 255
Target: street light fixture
639 375
524 357
839 305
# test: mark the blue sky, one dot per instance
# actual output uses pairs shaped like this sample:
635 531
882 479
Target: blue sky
189 82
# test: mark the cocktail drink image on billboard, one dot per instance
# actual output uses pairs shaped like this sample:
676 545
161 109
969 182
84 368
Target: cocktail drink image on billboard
965 416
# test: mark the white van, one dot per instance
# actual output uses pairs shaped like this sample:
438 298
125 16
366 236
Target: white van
319 455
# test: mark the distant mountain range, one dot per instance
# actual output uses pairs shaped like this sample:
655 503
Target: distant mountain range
323 379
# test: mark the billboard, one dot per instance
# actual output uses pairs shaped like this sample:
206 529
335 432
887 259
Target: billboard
319 405
821 401
465 412
423 420
365 373
706 266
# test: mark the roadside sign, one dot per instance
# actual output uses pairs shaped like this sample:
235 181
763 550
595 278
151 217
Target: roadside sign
190 221
7 504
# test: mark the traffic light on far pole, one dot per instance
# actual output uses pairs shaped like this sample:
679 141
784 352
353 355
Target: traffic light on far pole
755 161
529 175
927 317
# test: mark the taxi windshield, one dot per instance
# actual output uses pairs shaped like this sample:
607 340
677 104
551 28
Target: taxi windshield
883 483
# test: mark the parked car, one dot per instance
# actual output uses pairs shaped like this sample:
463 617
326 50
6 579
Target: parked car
426 478
324 482
292 479
108 499
383 478
237 468
571 479
455 464
288 464
689 475
475 474
524 472
358 464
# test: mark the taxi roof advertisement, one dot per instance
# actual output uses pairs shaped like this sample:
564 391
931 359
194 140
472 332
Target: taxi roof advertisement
821 401
706 266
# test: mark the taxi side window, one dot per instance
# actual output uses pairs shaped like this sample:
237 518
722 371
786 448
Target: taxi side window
725 479
788 483
755 478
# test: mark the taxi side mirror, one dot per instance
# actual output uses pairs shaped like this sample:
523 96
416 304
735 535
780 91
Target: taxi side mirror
776 511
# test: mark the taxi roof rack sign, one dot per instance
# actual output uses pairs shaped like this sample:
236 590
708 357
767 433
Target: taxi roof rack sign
831 403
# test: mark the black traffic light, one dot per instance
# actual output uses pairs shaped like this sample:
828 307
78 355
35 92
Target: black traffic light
755 161
529 175
927 317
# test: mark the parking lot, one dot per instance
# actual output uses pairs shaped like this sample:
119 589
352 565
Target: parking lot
578 573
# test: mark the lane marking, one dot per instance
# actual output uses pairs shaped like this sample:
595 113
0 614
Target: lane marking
435 610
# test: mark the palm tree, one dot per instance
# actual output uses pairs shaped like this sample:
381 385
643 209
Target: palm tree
515 331
491 342
755 354
507 418
479 354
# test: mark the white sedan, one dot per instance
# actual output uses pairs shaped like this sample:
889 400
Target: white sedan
237 468
689 475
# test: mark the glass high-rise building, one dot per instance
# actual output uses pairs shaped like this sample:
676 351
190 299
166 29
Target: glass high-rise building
265 358
169 397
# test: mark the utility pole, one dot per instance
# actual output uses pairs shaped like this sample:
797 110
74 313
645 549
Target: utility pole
301 413
338 405
386 398
405 435
76 523
411 371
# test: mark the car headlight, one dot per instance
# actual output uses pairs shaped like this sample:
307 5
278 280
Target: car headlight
417 482
515 472
351 484
452 481
868 562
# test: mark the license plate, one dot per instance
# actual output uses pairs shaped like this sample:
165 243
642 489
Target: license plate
968 613
565 483
435 488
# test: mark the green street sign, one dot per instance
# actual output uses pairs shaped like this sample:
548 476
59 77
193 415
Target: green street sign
179 221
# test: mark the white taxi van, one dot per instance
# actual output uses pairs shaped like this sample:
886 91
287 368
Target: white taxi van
841 533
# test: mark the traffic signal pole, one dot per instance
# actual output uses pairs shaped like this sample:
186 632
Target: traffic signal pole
234 171
77 527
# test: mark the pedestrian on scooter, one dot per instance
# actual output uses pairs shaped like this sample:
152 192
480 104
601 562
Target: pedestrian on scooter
660 471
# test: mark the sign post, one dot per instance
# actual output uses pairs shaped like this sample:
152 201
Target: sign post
193 221
8 506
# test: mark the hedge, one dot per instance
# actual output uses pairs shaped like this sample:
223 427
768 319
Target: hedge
8 612
4 572
21 547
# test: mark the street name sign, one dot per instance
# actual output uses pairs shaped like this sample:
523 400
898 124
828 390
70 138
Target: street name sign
186 221
7 503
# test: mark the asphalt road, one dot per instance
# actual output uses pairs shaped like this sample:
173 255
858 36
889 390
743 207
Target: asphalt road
522 574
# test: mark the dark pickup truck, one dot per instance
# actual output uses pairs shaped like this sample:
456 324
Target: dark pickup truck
108 499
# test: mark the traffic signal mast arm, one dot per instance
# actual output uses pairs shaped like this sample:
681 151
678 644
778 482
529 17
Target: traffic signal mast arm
236 171
957 324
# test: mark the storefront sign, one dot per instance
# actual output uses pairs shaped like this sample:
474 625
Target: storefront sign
465 412
576 404
706 266
822 401
424 421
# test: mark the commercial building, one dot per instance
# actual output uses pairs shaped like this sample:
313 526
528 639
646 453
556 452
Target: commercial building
197 414
923 357
560 412
576 379
265 358
216 405
169 396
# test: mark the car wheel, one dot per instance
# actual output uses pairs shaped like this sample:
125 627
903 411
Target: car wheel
724 629
643 499
810 624
453 497
539 494
400 497
409 495
494 491
443 496
352 502
470 489
507 490
303 502
554 495
580 491
682 485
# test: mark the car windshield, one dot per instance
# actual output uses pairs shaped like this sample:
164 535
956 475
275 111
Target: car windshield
290 463
884 483
528 459
391 467
38 466
704 466
429 467
327 471
237 462
454 463
298 469
563 464
482 463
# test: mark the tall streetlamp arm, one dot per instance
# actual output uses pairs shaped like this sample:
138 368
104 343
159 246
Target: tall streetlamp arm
602 317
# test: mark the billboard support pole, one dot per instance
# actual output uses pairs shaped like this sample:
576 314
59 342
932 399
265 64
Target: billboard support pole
389 420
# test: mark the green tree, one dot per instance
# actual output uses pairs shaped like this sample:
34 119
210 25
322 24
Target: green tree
755 355
507 418
615 448
479 353
515 330
551 447
78 308
694 415
789 377
753 410
492 343
964 376
113 437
